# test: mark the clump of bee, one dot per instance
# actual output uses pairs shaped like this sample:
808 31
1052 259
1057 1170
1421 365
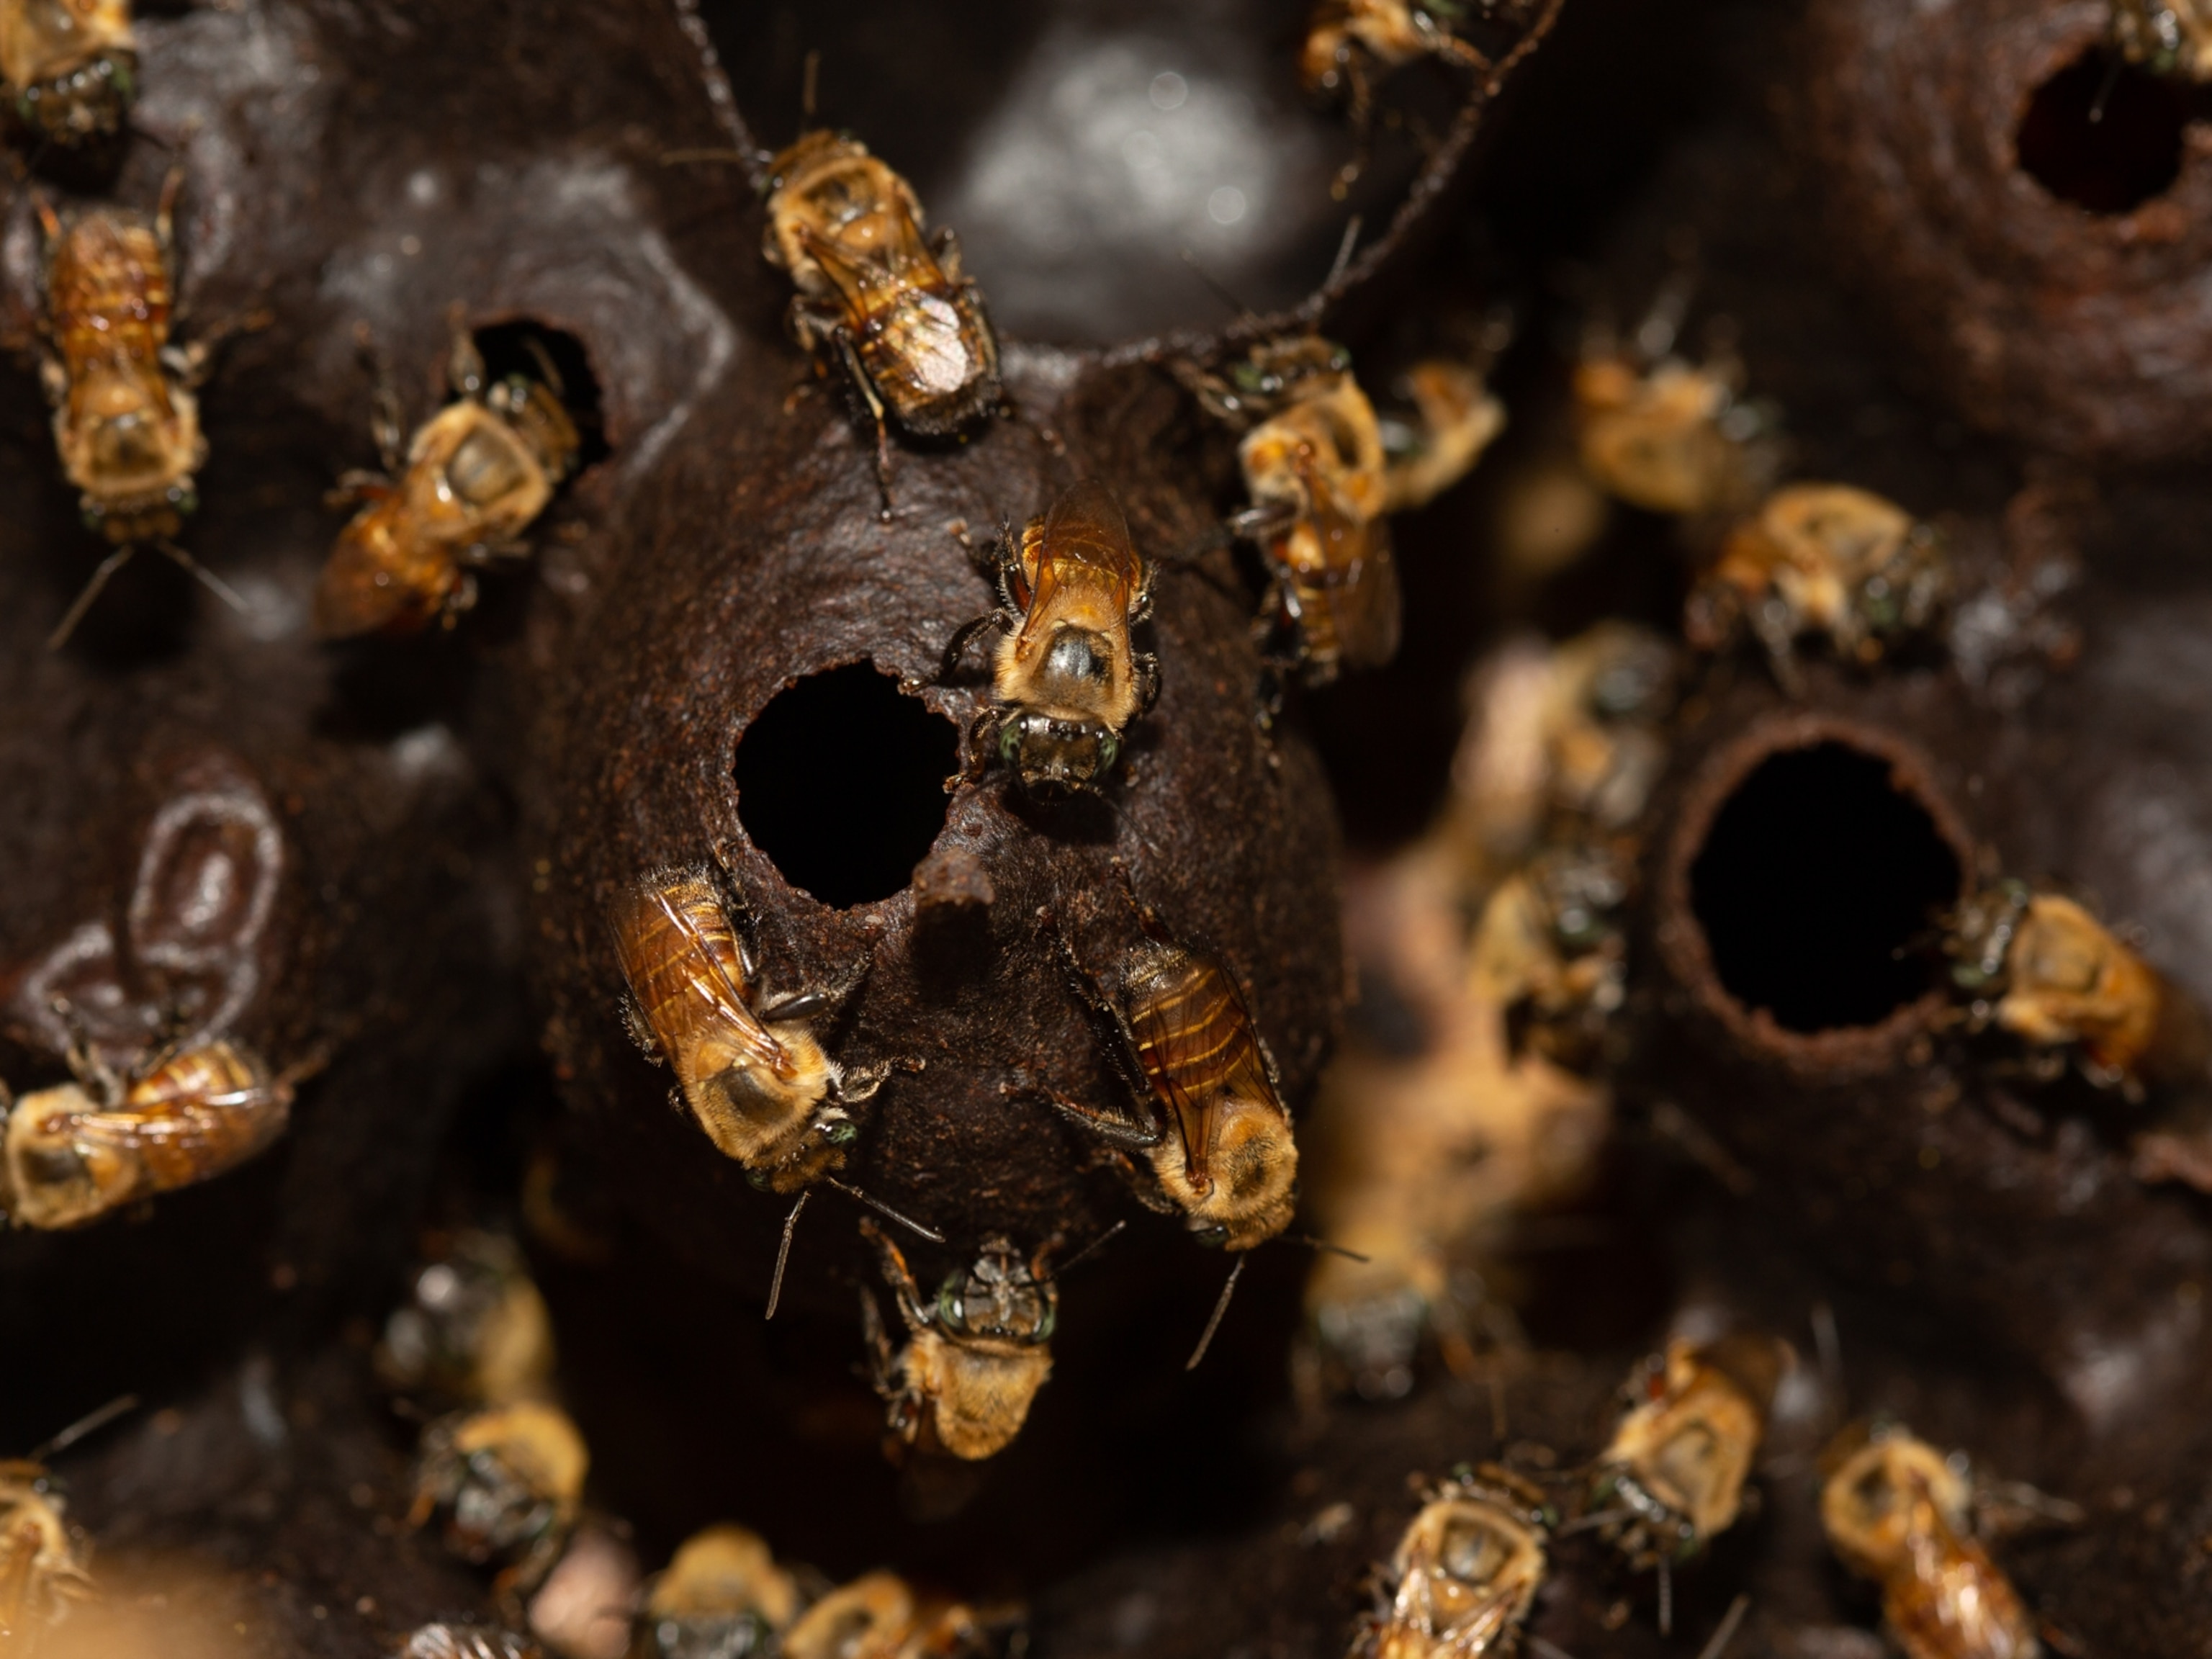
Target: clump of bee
42 1566
476 1328
509 1480
723 1596
1827 560
880 1616
748 1067
84 1149
69 67
1065 679
908 328
2166 37
471 480
1465 1573
1670 436
1898 1511
974 1356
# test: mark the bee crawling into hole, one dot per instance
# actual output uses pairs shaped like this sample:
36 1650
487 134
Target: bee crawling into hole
1465 1573
42 1567
908 327
509 1480
70 67
472 479
723 1596
975 1356
1066 678
2166 37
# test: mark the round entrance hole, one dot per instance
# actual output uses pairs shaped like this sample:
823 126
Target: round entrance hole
840 782
2103 134
1818 875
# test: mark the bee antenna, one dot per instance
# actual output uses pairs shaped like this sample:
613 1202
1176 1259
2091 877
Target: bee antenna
783 1254
1092 1248
884 1209
810 81
1666 1598
1216 288
214 584
1724 1632
1313 1243
1220 1308
90 1422
1343 260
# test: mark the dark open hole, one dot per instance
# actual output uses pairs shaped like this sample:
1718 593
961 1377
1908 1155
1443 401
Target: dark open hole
527 348
2131 152
1816 876
840 782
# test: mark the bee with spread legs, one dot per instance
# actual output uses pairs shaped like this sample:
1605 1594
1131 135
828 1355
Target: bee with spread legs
908 328
509 1480
473 478
975 1356
1465 1573
42 1571
750 1069
2166 37
722 1597
84 1149
70 67
1065 679
1897 1512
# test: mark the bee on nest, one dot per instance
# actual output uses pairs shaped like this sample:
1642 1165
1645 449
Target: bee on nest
1465 1573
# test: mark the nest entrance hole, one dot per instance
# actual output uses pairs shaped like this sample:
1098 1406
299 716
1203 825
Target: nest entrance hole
1820 874
2105 135
556 359
840 782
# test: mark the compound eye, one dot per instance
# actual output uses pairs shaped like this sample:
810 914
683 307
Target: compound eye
1213 1237
1109 750
1010 741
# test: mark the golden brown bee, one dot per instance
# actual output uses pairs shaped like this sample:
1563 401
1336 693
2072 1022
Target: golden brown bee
474 476
1066 680
1459 418
975 1357
70 67
909 328
2044 969
1672 438
2164 36
1896 1511
1823 559
722 1597
1465 1574
1213 1123
468 1642
1674 1472
84 1149
1349 41
41 1570
751 1070
509 1480
476 1330
879 1616
1549 950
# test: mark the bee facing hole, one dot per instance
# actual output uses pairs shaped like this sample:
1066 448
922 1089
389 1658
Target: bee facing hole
1817 874
840 782
558 359
2105 135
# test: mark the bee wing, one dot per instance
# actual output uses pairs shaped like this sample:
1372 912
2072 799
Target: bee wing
178 1143
1364 595
856 279
1198 1044
1952 1598
710 1003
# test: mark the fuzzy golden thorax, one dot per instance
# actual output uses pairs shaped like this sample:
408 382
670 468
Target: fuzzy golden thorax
717 1577
2071 980
1328 433
829 188
1250 1189
976 1391
509 1480
1680 1458
1465 1573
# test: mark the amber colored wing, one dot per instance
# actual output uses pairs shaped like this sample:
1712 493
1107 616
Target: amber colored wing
681 962
1362 596
860 280
181 1143
1953 1599
1197 1042
1085 537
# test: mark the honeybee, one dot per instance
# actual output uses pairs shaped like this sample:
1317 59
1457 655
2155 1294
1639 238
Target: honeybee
2164 36
1671 438
2044 969
722 1597
1465 1573
1066 680
509 1480
1826 559
468 1642
1548 950
476 1330
1459 417
1213 1119
42 1570
909 327
1349 42
70 66
751 1070
83 1150
1674 1473
975 1357
1896 1511
879 1616
474 476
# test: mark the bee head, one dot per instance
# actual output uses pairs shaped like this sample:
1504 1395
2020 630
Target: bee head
1052 756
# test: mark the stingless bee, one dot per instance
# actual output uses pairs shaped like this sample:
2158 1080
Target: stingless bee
722 1597
1458 418
1897 1512
1465 1573
1066 680
70 66
83 1150
1351 43
879 1616
750 1069
443 1641
1672 1479
975 1357
909 328
1824 559
1549 950
2164 36
474 475
1670 438
476 1328
509 1480
2041 967
42 1571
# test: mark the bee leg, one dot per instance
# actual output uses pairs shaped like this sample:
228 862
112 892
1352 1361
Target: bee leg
946 246
108 565
464 364
1146 668
1114 1128
875 413
980 748
207 578
957 646
165 211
